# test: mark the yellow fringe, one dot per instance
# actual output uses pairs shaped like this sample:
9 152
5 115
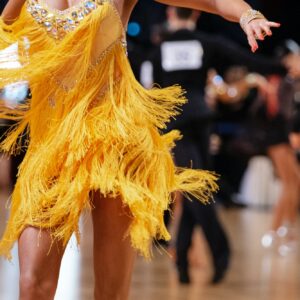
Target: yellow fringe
91 127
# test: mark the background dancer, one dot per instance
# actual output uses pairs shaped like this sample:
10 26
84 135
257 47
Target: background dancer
185 57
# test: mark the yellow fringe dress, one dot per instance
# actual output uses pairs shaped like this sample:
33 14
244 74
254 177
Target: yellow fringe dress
91 126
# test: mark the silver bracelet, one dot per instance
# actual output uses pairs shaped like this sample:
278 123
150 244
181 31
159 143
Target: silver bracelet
250 15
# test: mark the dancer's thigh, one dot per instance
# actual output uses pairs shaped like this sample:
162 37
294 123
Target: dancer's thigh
40 260
113 254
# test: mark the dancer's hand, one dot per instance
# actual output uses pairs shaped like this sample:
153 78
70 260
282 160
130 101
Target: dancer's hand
255 25
258 29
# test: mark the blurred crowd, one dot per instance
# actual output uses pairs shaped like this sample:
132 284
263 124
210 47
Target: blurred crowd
241 106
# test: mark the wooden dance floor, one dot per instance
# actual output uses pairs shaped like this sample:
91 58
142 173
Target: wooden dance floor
255 273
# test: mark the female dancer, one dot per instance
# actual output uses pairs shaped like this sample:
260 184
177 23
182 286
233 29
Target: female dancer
272 119
94 138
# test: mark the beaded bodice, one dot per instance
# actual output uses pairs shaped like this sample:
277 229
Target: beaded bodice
94 29
57 22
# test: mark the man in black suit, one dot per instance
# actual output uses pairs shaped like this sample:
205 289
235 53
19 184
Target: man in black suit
185 58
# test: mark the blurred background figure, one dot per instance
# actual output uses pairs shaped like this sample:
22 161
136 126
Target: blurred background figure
184 56
282 111
268 112
13 94
180 58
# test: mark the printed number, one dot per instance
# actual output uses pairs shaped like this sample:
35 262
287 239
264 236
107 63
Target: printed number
181 55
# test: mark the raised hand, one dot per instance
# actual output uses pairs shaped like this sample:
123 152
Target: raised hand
256 27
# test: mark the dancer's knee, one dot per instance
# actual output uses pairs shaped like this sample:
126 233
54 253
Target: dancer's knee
33 286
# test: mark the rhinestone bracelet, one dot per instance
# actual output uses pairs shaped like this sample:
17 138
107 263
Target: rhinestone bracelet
249 16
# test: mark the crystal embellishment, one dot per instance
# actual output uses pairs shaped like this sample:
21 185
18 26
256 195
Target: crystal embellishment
58 23
90 5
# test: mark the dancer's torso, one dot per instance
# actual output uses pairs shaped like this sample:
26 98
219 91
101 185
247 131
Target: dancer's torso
95 26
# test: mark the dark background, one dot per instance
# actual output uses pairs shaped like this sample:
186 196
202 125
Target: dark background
2 4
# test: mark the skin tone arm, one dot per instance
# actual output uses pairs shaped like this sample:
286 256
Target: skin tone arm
231 10
12 11
234 92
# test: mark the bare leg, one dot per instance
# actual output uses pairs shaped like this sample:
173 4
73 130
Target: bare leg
174 223
288 171
39 268
113 255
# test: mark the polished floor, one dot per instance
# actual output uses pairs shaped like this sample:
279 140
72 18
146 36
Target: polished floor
255 273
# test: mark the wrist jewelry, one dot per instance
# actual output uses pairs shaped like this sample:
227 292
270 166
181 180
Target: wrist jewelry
249 16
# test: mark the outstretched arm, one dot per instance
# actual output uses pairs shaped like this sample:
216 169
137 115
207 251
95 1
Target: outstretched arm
232 10
12 11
